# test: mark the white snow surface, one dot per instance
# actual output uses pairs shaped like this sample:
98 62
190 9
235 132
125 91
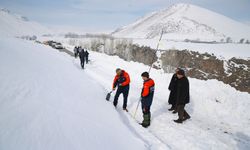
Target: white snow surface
48 102
16 25
185 21
222 50
220 114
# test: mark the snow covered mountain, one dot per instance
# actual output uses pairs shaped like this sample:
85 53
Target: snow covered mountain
16 25
185 21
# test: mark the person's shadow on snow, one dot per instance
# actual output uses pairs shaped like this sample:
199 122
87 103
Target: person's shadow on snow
243 141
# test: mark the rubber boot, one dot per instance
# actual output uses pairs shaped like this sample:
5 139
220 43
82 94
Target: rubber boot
146 120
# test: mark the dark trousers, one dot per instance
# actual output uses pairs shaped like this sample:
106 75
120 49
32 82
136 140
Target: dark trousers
87 59
146 103
122 90
145 109
182 113
82 63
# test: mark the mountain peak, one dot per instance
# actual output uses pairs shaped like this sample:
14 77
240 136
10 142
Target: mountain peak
178 5
185 21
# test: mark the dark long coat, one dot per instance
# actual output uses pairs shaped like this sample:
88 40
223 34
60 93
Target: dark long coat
173 88
182 91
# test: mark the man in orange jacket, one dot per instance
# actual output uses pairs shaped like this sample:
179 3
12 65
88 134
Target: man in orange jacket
121 81
147 95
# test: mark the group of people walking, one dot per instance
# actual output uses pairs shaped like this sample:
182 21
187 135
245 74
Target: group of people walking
179 93
83 55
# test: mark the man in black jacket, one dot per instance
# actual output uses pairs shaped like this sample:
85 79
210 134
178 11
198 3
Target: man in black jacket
172 88
82 57
182 96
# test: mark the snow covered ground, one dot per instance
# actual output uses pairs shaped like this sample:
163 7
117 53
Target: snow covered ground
48 102
220 114
222 51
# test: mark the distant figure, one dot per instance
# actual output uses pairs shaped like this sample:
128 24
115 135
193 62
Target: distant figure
122 81
172 88
87 56
76 51
82 57
182 96
147 95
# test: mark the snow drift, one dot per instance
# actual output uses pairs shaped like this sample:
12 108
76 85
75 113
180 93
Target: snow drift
47 102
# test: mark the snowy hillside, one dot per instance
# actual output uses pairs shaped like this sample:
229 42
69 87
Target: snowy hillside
15 25
185 21
48 102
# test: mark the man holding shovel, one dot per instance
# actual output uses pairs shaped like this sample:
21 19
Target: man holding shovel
122 81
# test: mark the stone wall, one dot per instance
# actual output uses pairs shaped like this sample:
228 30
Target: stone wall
235 72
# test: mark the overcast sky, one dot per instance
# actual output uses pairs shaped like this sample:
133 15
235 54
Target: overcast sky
101 15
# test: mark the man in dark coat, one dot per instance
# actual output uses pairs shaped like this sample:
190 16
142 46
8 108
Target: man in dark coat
87 56
82 57
122 81
172 88
147 95
182 96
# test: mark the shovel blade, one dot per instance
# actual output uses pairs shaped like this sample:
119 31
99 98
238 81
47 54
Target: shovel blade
108 96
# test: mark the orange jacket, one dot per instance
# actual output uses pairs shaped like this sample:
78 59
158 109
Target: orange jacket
148 87
122 79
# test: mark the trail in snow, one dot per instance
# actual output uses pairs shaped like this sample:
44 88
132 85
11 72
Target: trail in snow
37 113
153 142
214 125
212 118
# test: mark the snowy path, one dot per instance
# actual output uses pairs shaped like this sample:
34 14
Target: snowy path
220 117
48 102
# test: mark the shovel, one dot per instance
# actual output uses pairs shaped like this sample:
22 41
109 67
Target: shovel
108 96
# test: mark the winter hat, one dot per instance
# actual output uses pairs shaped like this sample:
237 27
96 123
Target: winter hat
181 72
145 74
